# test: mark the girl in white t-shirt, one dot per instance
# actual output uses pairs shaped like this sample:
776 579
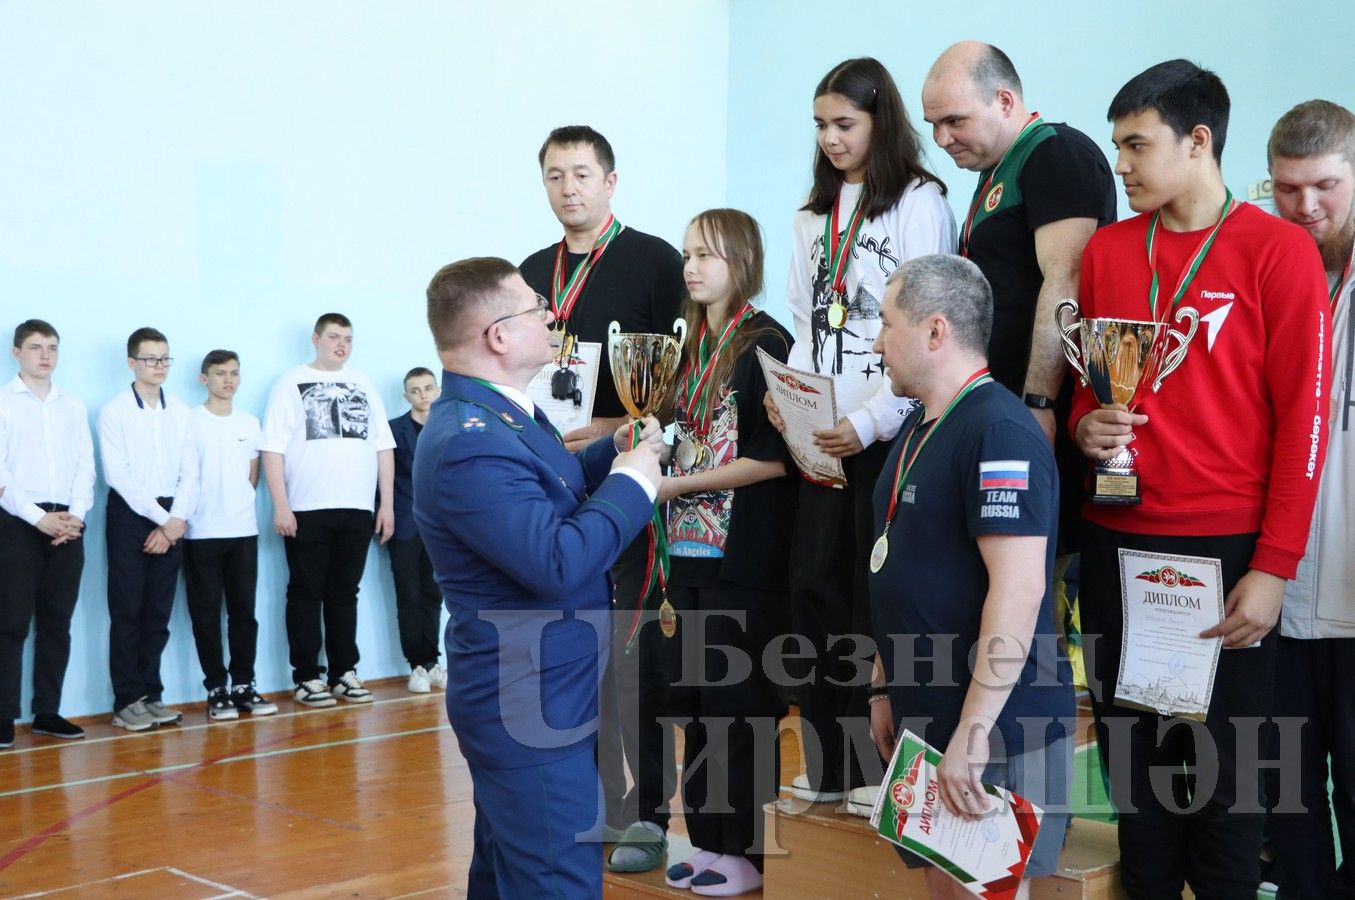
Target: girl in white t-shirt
873 205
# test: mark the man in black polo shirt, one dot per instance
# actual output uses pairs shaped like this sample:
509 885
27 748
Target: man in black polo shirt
1043 188
602 272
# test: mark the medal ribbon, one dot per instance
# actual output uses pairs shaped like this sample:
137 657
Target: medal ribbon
697 378
1340 283
901 471
564 294
839 248
1027 130
1192 265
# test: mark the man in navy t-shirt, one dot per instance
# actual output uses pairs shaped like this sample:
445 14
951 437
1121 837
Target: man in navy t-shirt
967 513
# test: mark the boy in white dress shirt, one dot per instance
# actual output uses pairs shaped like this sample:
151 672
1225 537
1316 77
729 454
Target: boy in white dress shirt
47 466
152 490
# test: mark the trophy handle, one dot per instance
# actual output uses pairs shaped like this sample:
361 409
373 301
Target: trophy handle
1066 334
680 329
1178 355
613 335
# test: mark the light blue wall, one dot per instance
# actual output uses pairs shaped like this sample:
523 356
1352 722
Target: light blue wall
226 172
1073 56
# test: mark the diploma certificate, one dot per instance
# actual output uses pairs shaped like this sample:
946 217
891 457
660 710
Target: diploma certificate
563 414
986 856
1165 666
807 402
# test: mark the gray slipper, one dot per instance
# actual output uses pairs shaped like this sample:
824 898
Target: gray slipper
640 837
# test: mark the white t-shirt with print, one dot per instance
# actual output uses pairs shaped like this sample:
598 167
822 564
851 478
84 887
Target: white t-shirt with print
224 447
329 428
920 223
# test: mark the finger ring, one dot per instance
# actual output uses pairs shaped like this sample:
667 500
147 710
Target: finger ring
964 793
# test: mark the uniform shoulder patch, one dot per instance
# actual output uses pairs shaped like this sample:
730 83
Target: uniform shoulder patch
1004 474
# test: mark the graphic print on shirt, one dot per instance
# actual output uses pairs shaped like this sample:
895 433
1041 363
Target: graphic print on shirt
861 306
335 409
698 524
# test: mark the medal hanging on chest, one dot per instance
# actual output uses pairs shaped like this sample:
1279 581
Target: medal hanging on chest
880 551
564 295
693 450
838 247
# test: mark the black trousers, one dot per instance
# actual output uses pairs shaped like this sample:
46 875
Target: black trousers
325 562
213 568
1313 680
40 583
140 598
1202 821
830 551
418 601
629 734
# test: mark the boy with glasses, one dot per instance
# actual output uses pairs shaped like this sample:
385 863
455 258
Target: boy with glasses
152 490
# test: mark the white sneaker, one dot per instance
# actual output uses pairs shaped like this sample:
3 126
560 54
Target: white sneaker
419 682
861 801
350 688
801 788
437 677
313 693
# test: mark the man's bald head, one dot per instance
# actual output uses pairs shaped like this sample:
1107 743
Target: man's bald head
987 68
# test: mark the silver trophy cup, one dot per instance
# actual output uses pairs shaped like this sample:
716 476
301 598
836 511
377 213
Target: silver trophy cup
1121 360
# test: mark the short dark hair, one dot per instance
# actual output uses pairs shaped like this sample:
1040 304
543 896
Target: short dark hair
458 289
1183 94
993 71
569 135
332 318
418 372
29 327
217 358
1313 128
140 336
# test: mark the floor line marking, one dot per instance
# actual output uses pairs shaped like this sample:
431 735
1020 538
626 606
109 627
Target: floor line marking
85 884
37 840
240 757
185 729
231 891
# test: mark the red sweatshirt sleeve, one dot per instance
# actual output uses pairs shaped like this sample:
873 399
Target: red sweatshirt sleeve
1297 374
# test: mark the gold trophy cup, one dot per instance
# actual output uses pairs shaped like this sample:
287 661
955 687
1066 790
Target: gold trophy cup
1121 360
644 368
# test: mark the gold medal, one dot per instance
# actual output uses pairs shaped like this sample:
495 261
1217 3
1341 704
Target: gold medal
667 618
837 312
879 552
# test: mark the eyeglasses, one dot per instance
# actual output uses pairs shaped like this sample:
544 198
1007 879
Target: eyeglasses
541 308
155 362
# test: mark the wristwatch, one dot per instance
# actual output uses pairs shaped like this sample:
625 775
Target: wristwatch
1038 401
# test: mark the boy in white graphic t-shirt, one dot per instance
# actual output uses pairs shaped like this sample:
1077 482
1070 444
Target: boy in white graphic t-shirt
221 549
326 446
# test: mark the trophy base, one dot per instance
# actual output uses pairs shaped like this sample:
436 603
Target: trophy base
1115 488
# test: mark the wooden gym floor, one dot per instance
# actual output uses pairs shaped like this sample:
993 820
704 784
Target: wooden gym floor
360 801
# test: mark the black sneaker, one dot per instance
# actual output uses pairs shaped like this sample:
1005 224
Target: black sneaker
248 700
219 705
6 733
53 725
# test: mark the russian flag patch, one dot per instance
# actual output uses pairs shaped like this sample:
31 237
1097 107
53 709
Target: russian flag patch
1004 475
